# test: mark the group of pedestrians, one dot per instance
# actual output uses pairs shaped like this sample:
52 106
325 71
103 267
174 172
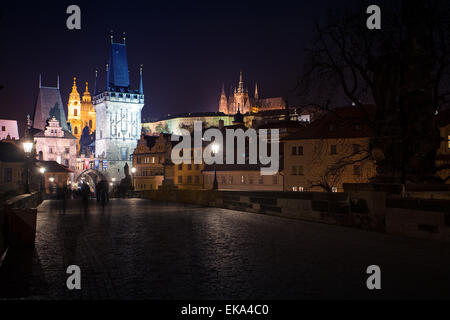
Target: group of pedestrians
83 193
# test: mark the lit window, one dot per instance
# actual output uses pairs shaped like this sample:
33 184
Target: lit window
242 179
295 189
301 189
335 189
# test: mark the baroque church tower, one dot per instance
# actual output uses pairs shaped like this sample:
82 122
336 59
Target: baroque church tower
87 111
74 113
81 112
118 113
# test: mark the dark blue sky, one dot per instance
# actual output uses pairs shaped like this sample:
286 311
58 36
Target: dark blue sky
188 48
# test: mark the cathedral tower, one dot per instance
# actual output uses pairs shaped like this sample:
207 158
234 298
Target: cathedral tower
223 104
118 114
241 101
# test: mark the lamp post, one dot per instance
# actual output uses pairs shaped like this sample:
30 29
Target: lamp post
42 171
215 149
27 147
133 171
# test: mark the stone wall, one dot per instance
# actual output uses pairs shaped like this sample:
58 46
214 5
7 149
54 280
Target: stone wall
328 208
419 218
18 204
376 207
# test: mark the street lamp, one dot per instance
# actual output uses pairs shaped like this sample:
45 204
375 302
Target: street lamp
27 147
42 171
215 150
133 171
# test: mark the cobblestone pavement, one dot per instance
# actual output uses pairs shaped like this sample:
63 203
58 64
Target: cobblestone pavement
138 249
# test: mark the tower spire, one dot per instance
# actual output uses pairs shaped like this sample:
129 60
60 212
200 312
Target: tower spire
107 76
111 36
141 85
256 91
241 84
95 83
57 80
40 80
124 38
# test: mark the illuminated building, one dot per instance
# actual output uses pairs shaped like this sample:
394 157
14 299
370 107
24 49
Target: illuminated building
239 99
118 114
81 113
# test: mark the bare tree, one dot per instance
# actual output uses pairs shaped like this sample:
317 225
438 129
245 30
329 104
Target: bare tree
403 69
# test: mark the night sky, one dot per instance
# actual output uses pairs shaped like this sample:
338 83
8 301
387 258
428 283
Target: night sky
188 49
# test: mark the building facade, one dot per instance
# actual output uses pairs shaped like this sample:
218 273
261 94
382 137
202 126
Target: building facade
152 161
118 114
55 144
9 129
174 124
329 152
242 178
12 167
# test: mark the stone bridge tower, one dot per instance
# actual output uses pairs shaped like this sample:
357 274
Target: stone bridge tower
118 114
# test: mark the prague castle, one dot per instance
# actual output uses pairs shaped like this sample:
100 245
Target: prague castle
81 113
239 100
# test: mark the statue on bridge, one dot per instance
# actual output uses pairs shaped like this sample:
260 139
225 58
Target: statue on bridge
126 184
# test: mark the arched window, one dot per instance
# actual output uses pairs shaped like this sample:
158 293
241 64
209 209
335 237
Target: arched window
90 124
75 112
41 156
75 130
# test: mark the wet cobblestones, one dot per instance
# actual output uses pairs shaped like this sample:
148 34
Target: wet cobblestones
137 249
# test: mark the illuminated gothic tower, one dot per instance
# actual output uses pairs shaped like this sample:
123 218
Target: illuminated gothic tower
223 104
74 113
118 114
241 98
